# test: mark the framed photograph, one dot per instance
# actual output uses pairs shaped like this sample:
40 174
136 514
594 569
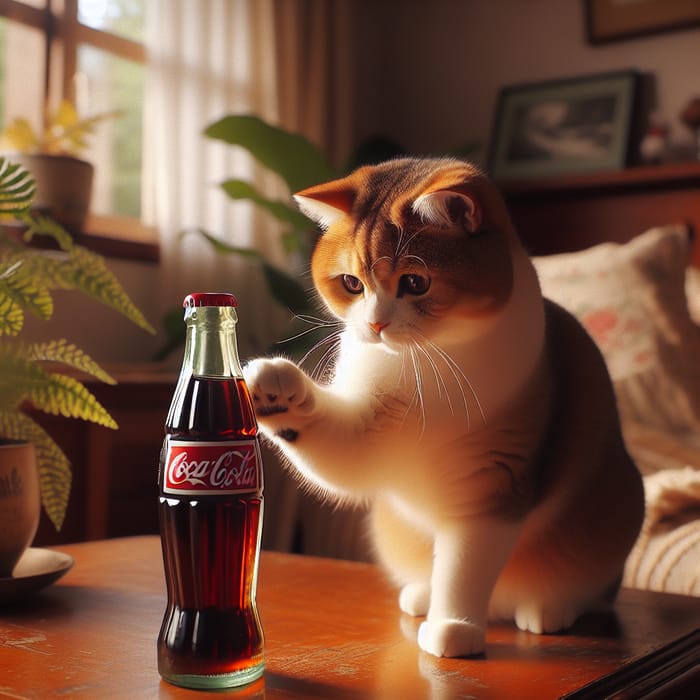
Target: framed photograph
612 20
570 126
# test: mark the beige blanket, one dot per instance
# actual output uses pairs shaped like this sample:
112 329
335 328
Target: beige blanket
667 554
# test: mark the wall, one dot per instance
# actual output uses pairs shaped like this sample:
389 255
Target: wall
428 73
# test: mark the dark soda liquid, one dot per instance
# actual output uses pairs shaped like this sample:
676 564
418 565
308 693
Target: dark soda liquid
211 634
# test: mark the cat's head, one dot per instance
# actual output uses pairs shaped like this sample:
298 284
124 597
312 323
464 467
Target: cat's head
412 248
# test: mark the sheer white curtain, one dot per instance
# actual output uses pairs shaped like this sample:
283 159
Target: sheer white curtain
285 60
208 59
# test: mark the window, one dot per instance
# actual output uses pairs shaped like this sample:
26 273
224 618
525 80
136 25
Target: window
92 53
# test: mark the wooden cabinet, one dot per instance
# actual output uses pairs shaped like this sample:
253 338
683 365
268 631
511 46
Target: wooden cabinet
574 212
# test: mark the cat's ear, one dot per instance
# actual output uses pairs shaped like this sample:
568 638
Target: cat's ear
449 207
326 203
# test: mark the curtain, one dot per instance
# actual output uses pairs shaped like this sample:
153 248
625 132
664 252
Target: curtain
207 59
285 60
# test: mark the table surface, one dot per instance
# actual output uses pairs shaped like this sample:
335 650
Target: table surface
333 630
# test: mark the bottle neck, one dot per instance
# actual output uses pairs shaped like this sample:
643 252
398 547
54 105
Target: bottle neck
211 349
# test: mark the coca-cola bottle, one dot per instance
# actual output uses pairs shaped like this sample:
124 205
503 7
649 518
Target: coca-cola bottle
210 508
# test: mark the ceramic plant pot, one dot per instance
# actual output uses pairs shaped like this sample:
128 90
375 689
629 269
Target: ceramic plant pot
20 502
63 186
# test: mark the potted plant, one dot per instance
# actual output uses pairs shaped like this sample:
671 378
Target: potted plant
44 375
63 180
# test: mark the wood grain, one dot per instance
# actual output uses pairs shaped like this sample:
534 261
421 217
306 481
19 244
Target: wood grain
333 630
564 214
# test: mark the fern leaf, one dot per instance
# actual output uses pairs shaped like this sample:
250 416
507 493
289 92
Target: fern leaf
11 314
65 396
68 354
18 375
19 286
46 226
17 189
54 467
89 273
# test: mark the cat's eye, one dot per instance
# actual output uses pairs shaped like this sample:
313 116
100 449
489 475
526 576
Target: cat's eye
413 284
352 284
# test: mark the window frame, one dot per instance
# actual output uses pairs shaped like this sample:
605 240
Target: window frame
113 236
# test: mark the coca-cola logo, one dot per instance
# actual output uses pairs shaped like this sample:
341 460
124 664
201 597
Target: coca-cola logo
214 468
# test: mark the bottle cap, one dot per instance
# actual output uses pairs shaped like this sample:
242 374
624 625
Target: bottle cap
209 299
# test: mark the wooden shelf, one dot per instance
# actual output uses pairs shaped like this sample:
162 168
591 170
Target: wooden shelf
646 177
563 214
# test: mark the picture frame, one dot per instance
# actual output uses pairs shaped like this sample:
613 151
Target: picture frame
614 20
568 126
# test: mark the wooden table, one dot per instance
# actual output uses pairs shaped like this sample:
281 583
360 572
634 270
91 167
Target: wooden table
333 630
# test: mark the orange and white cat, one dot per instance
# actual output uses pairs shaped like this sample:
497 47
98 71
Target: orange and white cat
476 418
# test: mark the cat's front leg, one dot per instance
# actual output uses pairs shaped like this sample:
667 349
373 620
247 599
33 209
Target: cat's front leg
284 397
467 562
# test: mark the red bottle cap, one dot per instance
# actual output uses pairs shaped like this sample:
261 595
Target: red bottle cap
209 299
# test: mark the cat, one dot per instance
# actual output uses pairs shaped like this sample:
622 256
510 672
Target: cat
476 418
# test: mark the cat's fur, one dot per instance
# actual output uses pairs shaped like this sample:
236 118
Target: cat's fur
477 419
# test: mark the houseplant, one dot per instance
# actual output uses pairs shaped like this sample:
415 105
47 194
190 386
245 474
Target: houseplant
63 180
42 374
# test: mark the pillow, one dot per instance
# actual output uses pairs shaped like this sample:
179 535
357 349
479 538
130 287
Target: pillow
631 298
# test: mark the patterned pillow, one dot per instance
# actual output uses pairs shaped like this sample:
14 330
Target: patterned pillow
631 298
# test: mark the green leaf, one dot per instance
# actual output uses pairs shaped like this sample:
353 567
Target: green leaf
18 375
20 289
68 354
38 224
88 272
17 189
65 396
239 189
292 156
54 467
286 290
11 315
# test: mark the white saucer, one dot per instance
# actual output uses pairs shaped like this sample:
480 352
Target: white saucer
37 568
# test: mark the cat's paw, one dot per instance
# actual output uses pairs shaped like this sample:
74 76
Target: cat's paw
544 619
280 391
414 599
452 638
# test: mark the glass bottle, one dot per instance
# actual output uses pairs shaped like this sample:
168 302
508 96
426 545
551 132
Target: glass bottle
210 508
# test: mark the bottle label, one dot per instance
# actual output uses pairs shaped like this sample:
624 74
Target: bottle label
212 468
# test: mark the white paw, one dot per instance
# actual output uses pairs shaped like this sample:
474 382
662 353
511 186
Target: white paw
280 392
451 638
541 619
414 599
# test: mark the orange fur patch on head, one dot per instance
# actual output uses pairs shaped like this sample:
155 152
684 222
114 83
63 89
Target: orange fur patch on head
437 217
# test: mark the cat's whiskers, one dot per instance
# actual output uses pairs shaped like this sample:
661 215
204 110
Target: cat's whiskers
439 380
332 341
417 397
315 323
378 260
459 376
402 245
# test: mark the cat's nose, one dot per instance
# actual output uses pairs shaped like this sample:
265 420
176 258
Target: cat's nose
378 327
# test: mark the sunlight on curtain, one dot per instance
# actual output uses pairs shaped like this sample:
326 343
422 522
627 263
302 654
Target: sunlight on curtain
208 59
